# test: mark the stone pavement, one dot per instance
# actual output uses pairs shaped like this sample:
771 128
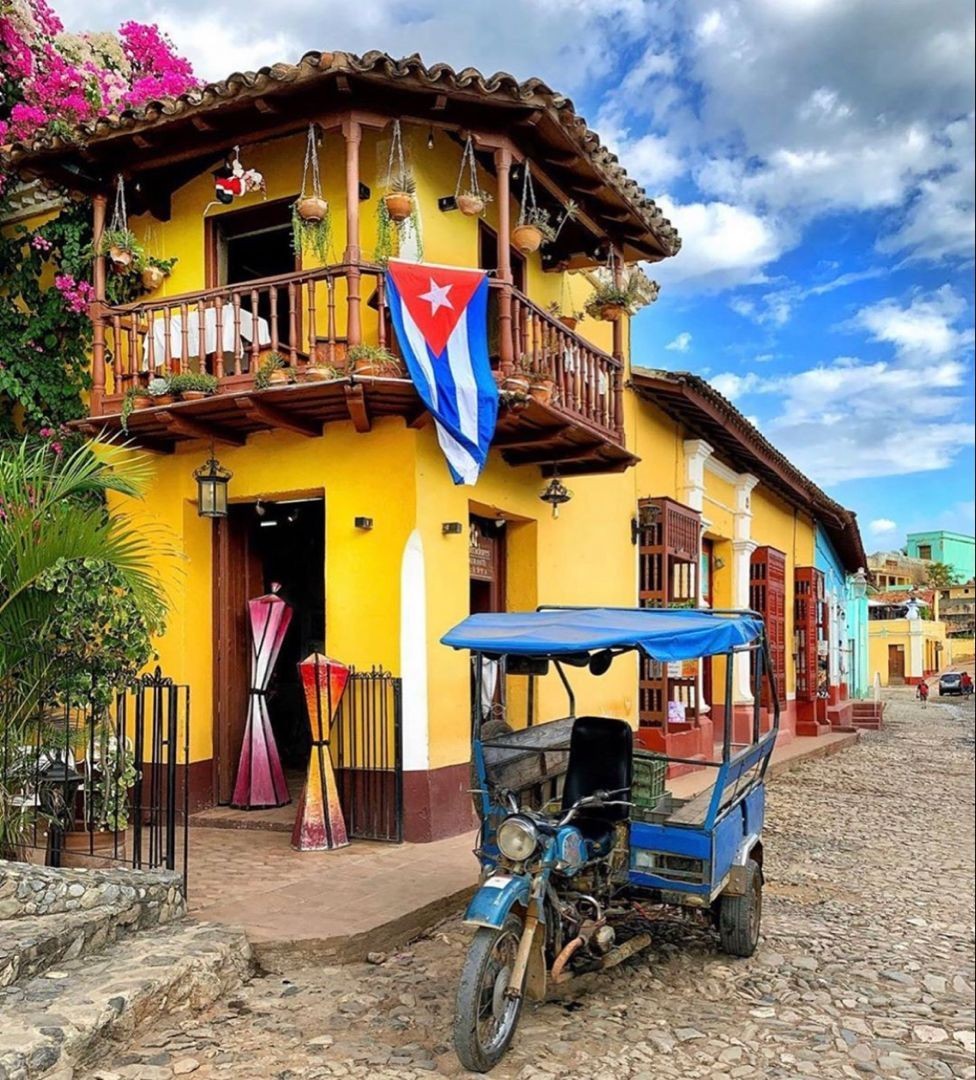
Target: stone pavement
321 907
865 967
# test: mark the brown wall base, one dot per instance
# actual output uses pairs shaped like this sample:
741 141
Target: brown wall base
437 804
199 776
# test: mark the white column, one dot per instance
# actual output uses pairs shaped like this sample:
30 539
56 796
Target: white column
413 655
741 559
915 661
697 452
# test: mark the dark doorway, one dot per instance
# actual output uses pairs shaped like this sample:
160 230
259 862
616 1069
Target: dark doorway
258 546
486 559
250 244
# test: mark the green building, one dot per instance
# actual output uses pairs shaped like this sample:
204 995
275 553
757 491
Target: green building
953 549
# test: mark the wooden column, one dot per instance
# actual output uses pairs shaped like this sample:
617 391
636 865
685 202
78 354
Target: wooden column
353 134
503 169
618 352
97 307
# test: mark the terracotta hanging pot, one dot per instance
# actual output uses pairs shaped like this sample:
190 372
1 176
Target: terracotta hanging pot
541 390
312 208
399 205
569 321
527 238
612 312
120 258
152 277
471 205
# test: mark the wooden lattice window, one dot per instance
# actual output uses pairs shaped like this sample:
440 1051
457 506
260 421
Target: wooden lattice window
767 595
810 627
668 537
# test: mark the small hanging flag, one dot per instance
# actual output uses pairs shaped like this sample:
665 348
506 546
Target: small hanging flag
440 315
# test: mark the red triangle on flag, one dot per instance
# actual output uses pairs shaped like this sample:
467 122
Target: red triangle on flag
435 296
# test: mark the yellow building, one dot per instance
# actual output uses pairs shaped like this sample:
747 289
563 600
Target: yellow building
903 652
340 492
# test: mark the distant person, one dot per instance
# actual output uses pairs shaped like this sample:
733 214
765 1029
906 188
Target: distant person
966 683
922 693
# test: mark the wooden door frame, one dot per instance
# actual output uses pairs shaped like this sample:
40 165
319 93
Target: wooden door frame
211 225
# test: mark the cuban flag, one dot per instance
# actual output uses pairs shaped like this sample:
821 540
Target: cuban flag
440 315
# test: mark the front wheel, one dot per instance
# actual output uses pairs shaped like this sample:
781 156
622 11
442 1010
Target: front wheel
739 916
485 1018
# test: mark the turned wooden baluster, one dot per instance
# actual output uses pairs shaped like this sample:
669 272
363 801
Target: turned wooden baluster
292 324
167 342
219 335
202 334
151 338
331 319
255 332
274 318
119 369
184 357
237 350
310 285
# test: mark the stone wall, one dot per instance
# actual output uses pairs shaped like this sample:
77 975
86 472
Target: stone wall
152 897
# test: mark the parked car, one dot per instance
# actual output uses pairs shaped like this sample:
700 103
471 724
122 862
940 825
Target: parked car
950 683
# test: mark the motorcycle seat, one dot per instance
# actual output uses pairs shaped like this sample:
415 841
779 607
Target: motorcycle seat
600 759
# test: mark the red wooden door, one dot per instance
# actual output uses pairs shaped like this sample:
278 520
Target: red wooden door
767 595
238 576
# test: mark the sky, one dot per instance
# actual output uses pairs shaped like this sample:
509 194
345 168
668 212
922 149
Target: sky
816 157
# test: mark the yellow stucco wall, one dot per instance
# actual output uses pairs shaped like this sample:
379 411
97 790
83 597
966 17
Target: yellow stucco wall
918 638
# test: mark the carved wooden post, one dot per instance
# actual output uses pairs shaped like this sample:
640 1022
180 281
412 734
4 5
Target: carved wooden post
618 354
97 308
503 168
353 134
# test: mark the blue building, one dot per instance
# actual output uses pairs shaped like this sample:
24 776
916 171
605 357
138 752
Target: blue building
845 598
954 549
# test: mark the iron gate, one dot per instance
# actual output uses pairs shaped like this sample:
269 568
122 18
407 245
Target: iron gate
96 789
367 743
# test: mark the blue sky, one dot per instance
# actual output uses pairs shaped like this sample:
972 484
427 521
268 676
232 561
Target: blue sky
817 158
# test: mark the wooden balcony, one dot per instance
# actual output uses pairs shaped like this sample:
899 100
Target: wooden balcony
309 319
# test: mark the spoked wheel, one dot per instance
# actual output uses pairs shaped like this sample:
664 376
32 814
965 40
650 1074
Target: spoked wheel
485 1018
740 916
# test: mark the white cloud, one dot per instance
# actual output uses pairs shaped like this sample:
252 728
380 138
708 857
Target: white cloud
921 332
882 526
775 308
682 343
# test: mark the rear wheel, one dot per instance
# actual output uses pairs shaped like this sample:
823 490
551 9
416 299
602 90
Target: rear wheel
485 1017
739 916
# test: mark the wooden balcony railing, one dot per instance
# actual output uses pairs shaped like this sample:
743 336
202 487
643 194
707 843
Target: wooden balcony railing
313 317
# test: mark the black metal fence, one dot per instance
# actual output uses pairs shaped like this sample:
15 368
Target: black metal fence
100 788
367 747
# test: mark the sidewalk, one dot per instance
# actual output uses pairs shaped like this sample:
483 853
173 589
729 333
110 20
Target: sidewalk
329 907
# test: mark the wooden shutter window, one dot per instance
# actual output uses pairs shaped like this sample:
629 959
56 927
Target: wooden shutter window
767 595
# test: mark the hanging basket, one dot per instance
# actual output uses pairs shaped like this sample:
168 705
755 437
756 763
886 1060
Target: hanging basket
610 312
569 321
121 258
527 238
152 277
399 205
470 205
312 208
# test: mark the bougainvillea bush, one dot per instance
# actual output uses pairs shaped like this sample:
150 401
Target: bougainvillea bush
52 81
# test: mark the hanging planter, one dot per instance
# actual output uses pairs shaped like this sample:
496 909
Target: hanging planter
471 201
399 199
310 217
397 215
534 227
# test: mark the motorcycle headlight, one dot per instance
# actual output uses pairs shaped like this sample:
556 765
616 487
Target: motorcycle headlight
517 838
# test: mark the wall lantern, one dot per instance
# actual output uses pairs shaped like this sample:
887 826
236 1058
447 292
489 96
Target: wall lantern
646 518
555 493
364 523
452 528
859 584
212 479
718 563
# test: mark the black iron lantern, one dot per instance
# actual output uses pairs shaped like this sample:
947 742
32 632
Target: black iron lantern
555 493
212 479
646 518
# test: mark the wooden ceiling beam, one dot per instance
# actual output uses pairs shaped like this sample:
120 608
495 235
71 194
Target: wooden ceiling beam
195 428
520 442
544 456
358 410
275 416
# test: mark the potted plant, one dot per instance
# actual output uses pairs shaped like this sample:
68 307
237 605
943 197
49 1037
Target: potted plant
311 226
136 397
108 778
534 230
472 203
375 362
154 272
160 391
516 381
122 248
569 319
541 383
611 301
273 371
400 195
193 385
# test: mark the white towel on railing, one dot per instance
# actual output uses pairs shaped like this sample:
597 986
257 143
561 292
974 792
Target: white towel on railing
173 326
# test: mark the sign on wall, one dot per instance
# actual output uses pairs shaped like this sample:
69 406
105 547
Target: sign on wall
481 555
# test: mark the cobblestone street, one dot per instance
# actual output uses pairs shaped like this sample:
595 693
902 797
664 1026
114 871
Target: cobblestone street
865 967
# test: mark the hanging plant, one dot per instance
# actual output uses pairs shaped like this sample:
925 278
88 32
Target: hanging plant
118 241
535 227
612 300
471 201
154 271
311 220
396 211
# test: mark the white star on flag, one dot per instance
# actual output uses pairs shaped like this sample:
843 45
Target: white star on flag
437 297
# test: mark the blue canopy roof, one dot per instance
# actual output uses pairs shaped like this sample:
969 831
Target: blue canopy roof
662 633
